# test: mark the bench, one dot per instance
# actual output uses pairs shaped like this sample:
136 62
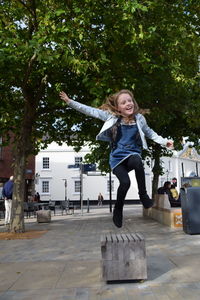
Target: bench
2 208
71 208
164 213
123 257
68 207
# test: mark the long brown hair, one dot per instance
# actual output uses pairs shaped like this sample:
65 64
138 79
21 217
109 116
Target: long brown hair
111 103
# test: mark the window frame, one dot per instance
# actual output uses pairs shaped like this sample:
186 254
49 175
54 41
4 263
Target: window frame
47 163
112 185
48 185
77 182
78 160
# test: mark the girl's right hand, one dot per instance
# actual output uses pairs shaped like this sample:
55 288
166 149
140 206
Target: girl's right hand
170 144
64 97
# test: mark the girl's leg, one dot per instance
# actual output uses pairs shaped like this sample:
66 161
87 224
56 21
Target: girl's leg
135 162
124 183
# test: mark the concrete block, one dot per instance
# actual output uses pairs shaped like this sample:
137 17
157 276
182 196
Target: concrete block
123 257
43 216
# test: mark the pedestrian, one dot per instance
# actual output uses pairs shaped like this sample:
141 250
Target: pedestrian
100 199
125 128
174 181
37 197
7 193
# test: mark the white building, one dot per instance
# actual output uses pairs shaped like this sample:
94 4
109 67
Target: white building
58 177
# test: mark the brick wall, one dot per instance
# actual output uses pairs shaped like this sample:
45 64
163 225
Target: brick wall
6 170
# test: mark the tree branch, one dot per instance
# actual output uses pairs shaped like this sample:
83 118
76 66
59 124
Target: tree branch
24 4
32 11
41 87
30 64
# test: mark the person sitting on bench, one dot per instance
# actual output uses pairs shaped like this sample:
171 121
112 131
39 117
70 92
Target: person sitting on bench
166 189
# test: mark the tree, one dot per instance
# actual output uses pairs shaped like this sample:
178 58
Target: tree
160 49
41 47
90 49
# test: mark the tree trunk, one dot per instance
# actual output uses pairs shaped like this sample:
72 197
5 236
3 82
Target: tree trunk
22 150
32 94
17 215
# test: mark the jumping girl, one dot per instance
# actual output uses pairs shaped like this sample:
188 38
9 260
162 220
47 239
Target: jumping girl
125 128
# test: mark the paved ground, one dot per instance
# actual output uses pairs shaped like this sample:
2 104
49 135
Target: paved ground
65 263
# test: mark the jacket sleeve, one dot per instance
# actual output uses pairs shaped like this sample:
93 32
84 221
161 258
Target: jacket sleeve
89 111
151 134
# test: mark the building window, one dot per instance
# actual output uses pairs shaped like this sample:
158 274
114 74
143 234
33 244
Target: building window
78 160
108 185
45 163
45 186
77 186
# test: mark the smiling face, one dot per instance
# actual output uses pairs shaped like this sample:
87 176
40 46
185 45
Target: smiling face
125 105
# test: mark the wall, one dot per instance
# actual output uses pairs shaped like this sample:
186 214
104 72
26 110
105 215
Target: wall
6 170
61 157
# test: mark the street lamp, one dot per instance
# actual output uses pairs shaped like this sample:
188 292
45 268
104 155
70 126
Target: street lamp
65 185
167 172
81 187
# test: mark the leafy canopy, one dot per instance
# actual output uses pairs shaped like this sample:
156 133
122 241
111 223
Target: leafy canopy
91 49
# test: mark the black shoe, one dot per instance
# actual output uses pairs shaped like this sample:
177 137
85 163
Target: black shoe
117 217
146 201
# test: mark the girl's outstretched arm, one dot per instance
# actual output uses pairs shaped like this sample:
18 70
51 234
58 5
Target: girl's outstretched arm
85 109
151 134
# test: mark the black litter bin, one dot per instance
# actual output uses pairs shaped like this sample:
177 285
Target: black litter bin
190 204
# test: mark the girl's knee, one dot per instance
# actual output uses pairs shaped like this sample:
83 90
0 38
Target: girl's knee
125 184
137 162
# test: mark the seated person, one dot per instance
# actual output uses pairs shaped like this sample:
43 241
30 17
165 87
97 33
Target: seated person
174 192
166 189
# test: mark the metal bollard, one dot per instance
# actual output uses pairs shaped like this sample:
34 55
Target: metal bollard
88 205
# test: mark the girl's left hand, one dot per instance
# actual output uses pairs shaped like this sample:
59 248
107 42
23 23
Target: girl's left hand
170 144
64 97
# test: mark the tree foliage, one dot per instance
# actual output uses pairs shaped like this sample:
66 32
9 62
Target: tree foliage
90 49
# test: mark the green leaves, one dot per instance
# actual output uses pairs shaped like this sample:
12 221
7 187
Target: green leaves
93 48
60 12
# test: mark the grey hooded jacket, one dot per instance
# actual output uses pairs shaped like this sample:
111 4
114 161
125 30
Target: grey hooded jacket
110 120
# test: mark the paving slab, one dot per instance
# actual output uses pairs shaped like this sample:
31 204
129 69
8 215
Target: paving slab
65 262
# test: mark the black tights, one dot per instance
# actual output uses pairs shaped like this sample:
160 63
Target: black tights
133 162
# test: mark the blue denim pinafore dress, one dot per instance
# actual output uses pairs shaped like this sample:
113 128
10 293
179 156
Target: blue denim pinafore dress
127 143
